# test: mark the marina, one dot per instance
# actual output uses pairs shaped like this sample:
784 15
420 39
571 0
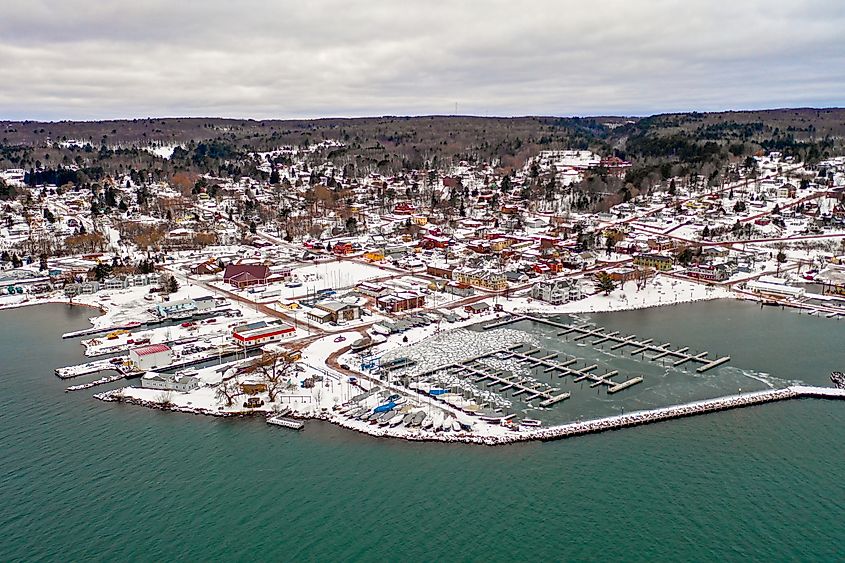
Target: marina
638 347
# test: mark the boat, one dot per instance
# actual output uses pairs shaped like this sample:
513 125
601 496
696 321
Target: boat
340 339
530 422
387 418
418 419
293 284
456 426
396 421
406 420
428 424
838 379
133 324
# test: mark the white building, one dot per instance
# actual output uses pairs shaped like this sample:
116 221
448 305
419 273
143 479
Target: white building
169 382
150 357
556 292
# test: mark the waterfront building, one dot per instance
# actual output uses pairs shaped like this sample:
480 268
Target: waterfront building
170 382
556 292
150 357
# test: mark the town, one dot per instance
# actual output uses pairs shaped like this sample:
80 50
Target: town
383 303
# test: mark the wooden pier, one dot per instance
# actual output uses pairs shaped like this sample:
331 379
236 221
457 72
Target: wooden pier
582 332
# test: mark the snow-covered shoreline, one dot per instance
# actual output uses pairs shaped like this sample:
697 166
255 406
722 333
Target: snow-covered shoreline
558 432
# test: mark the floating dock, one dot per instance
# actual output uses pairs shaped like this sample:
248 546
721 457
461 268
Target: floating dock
582 332
285 422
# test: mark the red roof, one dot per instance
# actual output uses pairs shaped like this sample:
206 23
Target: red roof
246 272
151 349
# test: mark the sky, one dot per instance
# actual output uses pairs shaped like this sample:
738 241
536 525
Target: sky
94 59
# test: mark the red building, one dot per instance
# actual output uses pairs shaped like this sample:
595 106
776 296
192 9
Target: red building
244 275
248 337
402 301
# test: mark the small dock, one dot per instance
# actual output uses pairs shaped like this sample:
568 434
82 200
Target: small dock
278 420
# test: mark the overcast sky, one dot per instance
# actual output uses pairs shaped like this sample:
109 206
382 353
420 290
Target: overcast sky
73 59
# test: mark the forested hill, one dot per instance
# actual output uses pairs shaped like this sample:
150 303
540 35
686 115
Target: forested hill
657 145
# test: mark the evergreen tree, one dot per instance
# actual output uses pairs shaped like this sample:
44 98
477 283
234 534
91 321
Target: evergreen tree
605 283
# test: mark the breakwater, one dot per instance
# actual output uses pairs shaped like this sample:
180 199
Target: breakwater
494 435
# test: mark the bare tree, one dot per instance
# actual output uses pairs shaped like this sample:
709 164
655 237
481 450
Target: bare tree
275 369
228 390
165 399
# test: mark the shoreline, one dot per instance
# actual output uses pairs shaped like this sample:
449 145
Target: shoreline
552 433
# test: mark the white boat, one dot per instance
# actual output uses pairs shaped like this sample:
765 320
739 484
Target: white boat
396 420
456 426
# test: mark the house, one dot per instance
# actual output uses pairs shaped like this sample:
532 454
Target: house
516 277
556 292
656 261
83 288
244 275
342 248
476 308
622 274
335 311
708 272
207 267
184 308
371 289
400 301
786 191
169 382
459 289
150 357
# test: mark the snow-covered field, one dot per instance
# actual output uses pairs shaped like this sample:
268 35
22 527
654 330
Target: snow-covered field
662 290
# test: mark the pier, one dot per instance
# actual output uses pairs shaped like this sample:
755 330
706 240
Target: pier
689 409
680 356
531 388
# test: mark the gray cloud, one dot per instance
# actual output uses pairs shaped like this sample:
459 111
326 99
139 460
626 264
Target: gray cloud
73 59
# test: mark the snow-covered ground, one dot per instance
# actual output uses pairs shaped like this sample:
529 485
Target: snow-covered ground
662 290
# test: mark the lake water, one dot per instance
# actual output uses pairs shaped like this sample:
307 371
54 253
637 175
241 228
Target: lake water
86 480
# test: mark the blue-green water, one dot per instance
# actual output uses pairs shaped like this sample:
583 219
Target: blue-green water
85 480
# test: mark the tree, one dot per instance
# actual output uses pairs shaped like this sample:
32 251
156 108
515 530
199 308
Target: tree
352 225
739 206
706 232
42 262
227 391
672 188
776 209
102 271
604 283
172 285
274 177
685 256
253 228
781 257
275 370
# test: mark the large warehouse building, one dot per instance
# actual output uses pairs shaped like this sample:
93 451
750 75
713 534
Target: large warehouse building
150 357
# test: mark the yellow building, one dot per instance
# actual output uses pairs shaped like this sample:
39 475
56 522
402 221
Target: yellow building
480 278
374 255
